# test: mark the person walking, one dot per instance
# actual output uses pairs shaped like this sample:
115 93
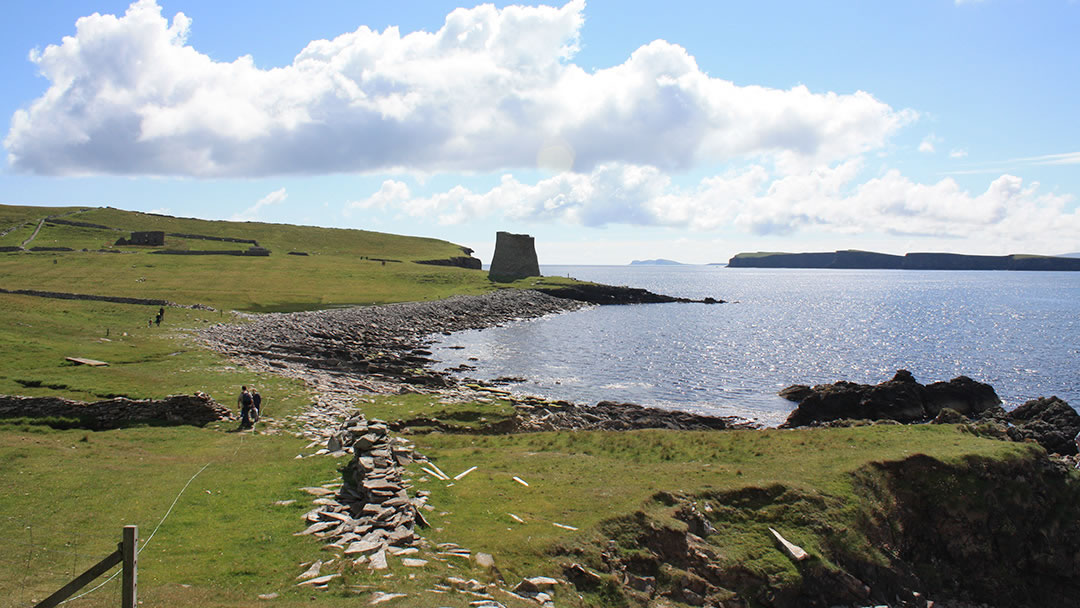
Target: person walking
244 401
256 404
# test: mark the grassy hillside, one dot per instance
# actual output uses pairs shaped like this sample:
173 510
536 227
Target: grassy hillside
343 267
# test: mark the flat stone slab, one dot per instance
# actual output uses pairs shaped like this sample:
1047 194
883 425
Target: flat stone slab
362 546
412 562
378 561
318 527
379 597
319 580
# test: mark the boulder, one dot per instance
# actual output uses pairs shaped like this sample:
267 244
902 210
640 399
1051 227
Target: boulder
1050 421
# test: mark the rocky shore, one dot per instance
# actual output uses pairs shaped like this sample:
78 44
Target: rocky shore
343 352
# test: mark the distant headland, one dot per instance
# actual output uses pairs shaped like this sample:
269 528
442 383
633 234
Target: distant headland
656 262
912 261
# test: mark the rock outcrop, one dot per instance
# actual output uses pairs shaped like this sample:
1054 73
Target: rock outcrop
1049 421
610 294
536 414
515 258
902 399
198 410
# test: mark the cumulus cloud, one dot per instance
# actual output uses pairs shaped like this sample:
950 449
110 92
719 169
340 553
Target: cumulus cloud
756 201
490 90
958 153
252 212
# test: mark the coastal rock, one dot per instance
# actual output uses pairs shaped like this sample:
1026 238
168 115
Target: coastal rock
901 399
962 394
1049 421
796 392
612 295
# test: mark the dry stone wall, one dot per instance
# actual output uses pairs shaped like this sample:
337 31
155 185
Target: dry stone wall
196 410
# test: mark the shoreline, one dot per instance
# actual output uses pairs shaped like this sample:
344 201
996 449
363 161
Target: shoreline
382 350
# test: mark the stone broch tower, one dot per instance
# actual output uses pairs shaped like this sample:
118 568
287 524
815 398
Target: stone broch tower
515 258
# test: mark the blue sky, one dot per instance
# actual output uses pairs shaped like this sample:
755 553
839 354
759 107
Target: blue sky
611 131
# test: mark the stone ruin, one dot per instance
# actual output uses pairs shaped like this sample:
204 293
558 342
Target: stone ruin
515 258
147 238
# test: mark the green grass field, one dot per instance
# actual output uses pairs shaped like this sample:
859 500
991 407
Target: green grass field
225 542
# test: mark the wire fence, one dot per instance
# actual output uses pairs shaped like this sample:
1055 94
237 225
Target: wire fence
34 566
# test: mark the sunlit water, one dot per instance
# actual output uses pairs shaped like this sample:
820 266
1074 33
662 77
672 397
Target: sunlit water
1018 331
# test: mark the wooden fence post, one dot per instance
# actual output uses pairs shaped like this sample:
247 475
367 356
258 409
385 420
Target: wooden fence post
131 568
126 553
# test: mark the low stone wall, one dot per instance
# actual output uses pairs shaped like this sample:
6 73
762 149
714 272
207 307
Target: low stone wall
197 410
53 220
459 261
59 295
251 251
223 239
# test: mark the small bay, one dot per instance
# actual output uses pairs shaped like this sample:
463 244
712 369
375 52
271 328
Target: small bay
1018 331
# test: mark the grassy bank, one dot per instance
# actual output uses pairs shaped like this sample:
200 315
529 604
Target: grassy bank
225 542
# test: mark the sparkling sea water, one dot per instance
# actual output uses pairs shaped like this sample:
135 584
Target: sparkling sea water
1017 331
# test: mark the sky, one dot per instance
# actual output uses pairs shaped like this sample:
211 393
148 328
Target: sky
609 130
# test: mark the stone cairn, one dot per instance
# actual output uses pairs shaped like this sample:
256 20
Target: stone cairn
371 514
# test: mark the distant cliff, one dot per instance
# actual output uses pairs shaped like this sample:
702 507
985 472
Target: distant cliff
911 261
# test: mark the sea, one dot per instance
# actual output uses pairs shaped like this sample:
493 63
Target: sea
1017 331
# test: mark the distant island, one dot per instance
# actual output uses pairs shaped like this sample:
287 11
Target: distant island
912 261
656 262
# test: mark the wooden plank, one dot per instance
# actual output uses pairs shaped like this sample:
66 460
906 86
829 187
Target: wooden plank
82 580
90 362
792 550
463 474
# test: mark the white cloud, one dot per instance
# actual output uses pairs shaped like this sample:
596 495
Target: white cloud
1069 158
927 146
488 91
1009 215
252 212
958 153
